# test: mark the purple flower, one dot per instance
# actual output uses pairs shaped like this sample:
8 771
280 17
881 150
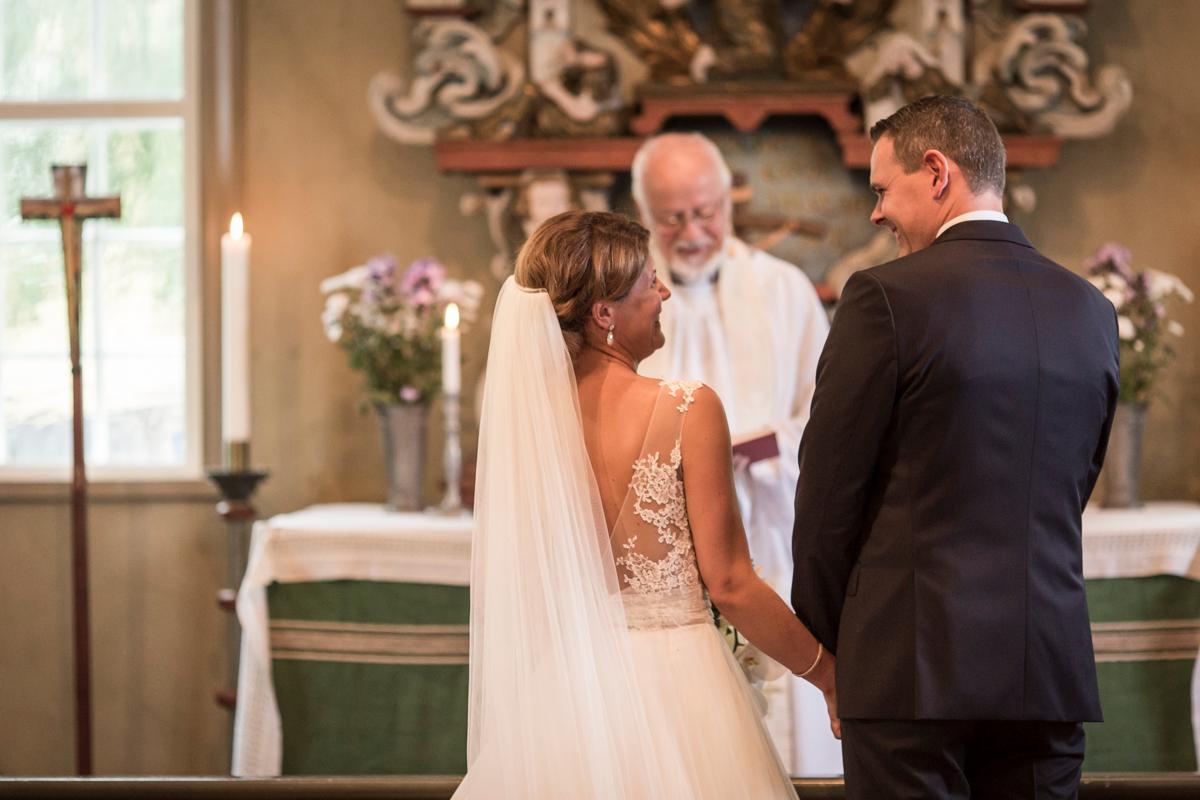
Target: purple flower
422 297
410 394
423 274
382 268
1114 257
381 276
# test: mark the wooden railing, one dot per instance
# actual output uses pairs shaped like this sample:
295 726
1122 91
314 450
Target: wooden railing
1148 786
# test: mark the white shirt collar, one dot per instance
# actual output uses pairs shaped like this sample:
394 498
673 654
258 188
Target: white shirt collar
973 216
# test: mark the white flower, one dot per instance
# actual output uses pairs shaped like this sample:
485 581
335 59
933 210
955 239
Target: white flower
353 278
758 666
1174 328
1126 329
1115 296
369 316
1164 284
336 304
331 317
466 294
1139 346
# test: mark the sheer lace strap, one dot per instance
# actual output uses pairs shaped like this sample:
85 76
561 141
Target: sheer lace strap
685 391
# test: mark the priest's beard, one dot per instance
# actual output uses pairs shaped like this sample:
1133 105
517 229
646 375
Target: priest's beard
686 271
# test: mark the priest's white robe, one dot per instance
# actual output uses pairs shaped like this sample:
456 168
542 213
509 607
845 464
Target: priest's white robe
754 335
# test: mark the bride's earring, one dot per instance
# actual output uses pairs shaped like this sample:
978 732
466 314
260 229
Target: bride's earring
609 338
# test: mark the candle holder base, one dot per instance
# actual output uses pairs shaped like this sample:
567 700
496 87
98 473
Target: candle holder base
448 511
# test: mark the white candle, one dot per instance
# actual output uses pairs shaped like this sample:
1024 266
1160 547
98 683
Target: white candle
451 366
235 333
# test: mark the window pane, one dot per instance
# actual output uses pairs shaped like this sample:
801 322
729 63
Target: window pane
145 166
141 160
143 49
143 417
27 151
35 395
140 300
35 306
47 49
50 50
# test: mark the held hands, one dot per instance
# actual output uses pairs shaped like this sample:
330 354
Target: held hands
822 677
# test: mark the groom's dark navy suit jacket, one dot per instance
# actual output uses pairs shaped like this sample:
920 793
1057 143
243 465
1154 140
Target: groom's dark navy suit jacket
962 409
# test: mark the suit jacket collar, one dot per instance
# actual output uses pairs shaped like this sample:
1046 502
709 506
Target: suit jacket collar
986 230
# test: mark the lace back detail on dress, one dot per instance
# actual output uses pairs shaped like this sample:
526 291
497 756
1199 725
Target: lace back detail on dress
652 540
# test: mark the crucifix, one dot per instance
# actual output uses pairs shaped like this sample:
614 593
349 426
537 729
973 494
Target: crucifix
71 207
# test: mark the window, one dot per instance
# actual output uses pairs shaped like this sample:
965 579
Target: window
109 83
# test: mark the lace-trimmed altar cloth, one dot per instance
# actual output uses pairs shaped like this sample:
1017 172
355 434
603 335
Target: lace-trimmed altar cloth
1156 539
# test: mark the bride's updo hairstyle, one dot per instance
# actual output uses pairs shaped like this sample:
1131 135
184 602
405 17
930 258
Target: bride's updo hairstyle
580 258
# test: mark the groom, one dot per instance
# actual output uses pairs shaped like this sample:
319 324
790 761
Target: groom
961 413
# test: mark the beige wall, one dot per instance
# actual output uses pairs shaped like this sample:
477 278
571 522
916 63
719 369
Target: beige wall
323 190
1134 187
157 637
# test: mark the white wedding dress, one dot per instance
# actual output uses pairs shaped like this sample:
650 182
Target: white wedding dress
596 669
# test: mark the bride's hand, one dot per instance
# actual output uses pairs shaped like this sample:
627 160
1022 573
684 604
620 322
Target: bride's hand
824 680
835 723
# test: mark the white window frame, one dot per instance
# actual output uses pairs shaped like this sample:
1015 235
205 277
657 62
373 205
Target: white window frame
187 109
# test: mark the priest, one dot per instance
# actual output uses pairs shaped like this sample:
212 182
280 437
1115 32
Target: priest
751 327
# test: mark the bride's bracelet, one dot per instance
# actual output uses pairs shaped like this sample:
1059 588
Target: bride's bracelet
817 660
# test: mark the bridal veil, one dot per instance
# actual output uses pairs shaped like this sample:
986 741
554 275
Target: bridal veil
556 708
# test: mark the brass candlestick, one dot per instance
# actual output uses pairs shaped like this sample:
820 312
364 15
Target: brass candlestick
237 483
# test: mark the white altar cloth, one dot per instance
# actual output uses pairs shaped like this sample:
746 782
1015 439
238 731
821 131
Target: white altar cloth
348 541
1157 539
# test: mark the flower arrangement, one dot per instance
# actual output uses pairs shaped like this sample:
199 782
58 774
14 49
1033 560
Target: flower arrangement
1142 324
387 321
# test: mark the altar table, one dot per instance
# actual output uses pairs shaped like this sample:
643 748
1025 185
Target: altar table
405 578
412 611
1143 583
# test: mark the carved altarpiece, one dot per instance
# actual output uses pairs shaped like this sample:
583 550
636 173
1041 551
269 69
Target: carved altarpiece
546 101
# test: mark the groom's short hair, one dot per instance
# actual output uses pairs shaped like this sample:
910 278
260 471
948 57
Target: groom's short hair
954 126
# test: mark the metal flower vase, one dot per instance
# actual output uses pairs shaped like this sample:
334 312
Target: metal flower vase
1123 461
403 430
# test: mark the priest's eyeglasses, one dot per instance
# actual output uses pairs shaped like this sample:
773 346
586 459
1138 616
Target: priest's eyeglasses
700 215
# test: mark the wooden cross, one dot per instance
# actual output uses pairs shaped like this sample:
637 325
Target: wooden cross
71 207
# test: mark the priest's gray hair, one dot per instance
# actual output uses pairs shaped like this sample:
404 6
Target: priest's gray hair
954 126
645 153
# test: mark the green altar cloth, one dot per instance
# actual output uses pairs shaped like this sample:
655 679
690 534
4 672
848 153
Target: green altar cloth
1145 632
370 677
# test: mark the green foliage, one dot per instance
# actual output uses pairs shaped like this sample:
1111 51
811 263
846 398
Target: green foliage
397 368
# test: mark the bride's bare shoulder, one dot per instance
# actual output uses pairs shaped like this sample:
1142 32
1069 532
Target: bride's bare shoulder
705 412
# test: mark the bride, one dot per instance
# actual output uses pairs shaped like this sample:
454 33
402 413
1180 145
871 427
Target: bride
606 522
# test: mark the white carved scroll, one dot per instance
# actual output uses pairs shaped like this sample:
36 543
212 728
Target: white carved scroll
459 75
1044 72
